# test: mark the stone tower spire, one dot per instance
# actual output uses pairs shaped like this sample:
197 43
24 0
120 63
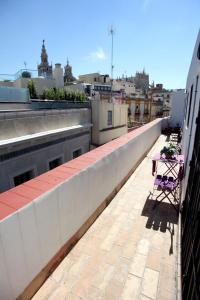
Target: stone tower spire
68 76
44 56
44 69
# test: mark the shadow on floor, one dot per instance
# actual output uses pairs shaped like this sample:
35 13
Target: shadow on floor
167 138
162 218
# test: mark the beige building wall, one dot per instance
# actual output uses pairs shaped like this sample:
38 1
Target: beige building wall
94 77
40 84
104 131
128 87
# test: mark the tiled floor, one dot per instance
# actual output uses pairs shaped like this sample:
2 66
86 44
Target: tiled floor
128 253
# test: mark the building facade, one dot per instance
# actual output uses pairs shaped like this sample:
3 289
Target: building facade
141 81
94 77
109 120
190 207
177 108
35 141
68 76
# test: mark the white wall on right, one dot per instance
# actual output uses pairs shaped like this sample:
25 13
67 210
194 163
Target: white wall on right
177 108
192 110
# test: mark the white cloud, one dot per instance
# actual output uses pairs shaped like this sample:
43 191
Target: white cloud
97 55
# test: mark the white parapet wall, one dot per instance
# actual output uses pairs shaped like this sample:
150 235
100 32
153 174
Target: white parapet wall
33 231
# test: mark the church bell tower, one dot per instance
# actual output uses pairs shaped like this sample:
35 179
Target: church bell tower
44 69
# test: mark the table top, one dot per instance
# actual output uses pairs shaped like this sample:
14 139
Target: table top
178 159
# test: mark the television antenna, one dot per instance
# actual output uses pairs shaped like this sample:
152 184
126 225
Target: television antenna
111 32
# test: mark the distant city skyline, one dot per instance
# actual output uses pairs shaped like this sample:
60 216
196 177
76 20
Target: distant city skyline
157 36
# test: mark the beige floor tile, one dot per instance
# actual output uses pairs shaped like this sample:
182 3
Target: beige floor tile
131 289
165 295
61 270
138 265
103 276
154 259
128 250
143 246
150 283
59 294
157 241
71 296
113 255
121 270
167 279
113 291
82 288
47 289
142 297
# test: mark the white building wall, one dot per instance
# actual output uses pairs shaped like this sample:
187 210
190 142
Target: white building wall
191 110
20 136
177 108
58 76
40 84
128 87
100 131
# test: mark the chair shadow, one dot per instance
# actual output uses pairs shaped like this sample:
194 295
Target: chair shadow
163 217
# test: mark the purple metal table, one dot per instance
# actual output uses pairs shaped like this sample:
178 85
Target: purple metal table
171 164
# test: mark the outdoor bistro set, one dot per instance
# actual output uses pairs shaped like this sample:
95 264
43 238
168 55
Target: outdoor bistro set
167 184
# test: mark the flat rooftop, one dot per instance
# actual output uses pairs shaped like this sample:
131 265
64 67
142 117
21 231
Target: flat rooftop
129 252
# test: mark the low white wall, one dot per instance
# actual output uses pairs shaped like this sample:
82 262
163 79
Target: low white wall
109 135
30 237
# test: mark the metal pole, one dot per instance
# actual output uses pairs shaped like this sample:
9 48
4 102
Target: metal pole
112 66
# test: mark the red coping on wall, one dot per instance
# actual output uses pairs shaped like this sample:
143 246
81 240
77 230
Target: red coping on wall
18 197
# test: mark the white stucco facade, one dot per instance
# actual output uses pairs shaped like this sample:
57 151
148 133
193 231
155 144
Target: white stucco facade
58 76
30 140
177 108
192 108
109 121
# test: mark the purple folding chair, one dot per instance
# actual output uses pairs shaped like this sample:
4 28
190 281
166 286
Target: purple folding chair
169 187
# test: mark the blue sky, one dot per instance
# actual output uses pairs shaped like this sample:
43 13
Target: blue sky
158 35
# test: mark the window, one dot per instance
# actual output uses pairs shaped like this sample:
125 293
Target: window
55 163
19 179
198 52
189 107
109 117
77 153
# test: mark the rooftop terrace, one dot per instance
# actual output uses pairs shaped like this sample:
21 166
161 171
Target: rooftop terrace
129 252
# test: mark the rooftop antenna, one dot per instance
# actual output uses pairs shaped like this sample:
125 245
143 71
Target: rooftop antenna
25 64
111 32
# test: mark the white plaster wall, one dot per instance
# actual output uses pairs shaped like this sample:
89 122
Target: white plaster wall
109 135
100 118
58 76
30 237
190 129
40 83
177 108
38 160
14 124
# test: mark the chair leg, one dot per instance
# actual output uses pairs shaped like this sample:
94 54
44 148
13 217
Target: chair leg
166 195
